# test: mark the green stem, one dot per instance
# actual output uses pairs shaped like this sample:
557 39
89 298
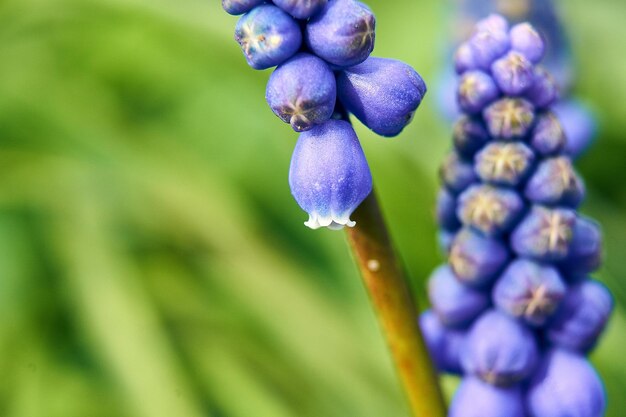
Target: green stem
389 293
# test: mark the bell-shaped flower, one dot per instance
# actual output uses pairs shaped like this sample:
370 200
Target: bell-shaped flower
329 176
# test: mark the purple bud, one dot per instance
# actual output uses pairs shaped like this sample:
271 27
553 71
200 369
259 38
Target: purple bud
493 22
526 40
464 58
476 90
329 176
489 42
302 92
456 173
488 209
236 7
456 305
267 36
446 210
582 317
382 93
529 291
477 260
585 250
475 398
301 9
504 163
548 137
565 384
544 90
509 118
513 73
579 125
469 136
342 33
544 234
444 345
499 350
555 183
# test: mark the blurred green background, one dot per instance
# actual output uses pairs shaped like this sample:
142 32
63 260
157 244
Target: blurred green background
152 260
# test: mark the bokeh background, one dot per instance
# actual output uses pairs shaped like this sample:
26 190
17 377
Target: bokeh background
152 260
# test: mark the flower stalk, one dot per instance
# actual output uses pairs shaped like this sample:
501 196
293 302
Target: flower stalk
389 292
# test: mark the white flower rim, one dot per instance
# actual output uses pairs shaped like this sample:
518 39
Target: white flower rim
333 222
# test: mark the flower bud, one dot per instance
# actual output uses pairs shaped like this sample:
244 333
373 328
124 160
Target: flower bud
236 7
565 384
382 93
548 137
329 176
475 398
582 317
513 73
488 209
477 260
476 90
464 58
526 40
301 9
555 183
444 345
456 173
529 291
499 350
342 33
544 90
585 250
579 125
490 41
446 210
469 136
267 36
302 92
455 304
544 234
504 163
509 118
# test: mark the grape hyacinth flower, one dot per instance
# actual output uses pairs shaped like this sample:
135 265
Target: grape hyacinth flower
321 82
508 221
268 36
529 291
565 385
302 92
342 33
476 398
454 303
382 93
499 350
582 317
329 176
444 344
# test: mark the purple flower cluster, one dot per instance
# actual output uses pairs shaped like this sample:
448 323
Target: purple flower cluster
514 310
324 72
576 119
